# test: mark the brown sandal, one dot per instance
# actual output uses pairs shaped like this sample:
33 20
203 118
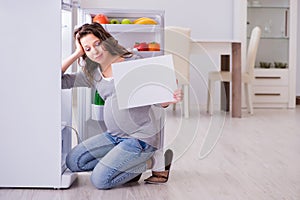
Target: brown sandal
158 177
162 176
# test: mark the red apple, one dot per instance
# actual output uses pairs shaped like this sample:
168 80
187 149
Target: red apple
143 46
101 19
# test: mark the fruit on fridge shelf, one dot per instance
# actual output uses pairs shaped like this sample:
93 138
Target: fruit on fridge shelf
143 46
153 46
114 21
126 21
101 19
145 20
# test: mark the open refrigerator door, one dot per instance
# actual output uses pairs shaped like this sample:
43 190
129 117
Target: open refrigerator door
33 144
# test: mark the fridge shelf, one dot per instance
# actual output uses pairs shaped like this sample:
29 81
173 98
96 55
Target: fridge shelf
147 54
121 28
268 7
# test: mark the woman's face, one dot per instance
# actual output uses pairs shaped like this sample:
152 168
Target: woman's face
93 48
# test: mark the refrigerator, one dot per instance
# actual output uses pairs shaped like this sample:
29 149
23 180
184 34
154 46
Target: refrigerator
36 114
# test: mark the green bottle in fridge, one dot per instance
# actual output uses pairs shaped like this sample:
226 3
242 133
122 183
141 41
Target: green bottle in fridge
98 100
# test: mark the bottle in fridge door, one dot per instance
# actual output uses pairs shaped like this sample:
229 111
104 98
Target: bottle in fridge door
97 107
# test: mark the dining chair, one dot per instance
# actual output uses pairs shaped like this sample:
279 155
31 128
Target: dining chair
178 43
247 76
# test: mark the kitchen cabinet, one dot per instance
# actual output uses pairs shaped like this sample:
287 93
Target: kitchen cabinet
271 87
274 74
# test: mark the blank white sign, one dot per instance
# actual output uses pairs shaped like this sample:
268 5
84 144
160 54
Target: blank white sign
145 81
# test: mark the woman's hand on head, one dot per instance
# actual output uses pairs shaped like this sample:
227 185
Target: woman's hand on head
73 57
79 50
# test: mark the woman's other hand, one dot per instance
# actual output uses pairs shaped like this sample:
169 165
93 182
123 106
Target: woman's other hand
177 95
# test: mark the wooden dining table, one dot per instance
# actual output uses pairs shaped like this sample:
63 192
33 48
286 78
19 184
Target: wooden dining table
232 50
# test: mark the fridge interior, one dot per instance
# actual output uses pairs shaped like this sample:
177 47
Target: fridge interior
127 35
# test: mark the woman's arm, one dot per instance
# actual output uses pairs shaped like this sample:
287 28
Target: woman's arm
75 79
70 60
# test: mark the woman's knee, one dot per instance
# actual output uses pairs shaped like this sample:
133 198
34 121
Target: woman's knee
71 162
100 181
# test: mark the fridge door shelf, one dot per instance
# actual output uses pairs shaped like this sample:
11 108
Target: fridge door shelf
97 112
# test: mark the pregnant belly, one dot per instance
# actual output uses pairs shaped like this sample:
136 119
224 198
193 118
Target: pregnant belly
125 120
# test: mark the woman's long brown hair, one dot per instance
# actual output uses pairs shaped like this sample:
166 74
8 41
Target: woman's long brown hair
108 42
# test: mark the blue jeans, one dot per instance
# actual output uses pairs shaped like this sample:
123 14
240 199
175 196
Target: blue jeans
113 160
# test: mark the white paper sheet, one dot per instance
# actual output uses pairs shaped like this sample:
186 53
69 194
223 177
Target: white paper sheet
145 81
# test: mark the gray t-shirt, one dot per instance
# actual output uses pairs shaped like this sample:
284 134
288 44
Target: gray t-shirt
144 123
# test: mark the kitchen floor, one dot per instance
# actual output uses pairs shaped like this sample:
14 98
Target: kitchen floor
256 157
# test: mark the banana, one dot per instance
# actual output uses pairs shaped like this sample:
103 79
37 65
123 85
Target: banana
145 20
135 21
